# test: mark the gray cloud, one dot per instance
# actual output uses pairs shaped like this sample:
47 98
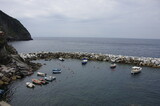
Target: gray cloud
93 18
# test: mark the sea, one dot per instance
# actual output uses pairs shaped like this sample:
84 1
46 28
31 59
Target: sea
93 84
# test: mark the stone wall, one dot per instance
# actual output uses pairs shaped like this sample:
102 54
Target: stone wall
139 61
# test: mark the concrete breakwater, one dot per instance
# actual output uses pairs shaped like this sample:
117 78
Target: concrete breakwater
140 61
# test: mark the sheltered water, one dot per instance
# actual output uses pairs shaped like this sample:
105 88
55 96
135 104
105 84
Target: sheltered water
93 84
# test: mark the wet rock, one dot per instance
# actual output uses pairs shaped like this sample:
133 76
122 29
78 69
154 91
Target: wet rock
18 77
5 79
1 82
6 83
1 75
13 77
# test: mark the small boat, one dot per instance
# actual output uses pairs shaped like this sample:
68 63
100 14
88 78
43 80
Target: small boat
36 81
61 59
43 81
30 85
56 71
113 65
30 73
41 74
50 78
136 70
1 92
84 61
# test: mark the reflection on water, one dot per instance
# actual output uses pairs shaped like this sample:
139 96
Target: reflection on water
90 85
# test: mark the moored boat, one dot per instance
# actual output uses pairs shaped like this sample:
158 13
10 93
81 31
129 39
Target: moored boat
136 70
84 61
41 74
30 73
50 78
1 91
56 71
43 81
61 59
36 81
30 85
113 65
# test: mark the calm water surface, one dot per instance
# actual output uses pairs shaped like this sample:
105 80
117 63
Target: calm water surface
94 84
129 47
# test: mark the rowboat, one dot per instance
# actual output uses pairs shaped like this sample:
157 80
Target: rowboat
1 91
136 70
41 74
30 85
56 71
113 65
61 59
36 81
84 61
43 81
50 78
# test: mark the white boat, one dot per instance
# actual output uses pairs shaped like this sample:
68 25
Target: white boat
41 74
61 59
50 78
136 70
30 85
113 65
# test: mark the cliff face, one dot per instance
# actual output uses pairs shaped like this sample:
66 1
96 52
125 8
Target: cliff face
13 29
12 66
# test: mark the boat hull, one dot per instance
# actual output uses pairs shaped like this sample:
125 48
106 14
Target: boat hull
112 67
41 74
50 78
83 63
56 71
30 85
136 70
35 81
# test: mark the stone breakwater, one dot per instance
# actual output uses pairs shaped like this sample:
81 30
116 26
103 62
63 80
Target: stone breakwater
140 61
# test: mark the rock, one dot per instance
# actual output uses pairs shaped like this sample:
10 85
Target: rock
5 79
18 77
6 83
2 103
1 82
144 61
14 77
13 28
1 75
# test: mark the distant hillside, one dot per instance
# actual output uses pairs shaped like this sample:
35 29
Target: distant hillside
13 28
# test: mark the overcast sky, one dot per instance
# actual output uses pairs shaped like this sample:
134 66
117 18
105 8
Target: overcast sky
87 18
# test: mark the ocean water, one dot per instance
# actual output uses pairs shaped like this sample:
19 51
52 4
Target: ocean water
129 47
93 84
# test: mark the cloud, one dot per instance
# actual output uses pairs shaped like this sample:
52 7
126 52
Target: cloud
77 9
87 17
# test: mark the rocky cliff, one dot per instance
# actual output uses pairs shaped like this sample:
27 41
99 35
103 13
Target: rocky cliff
12 66
13 29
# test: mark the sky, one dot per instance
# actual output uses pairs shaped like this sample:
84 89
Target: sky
87 18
